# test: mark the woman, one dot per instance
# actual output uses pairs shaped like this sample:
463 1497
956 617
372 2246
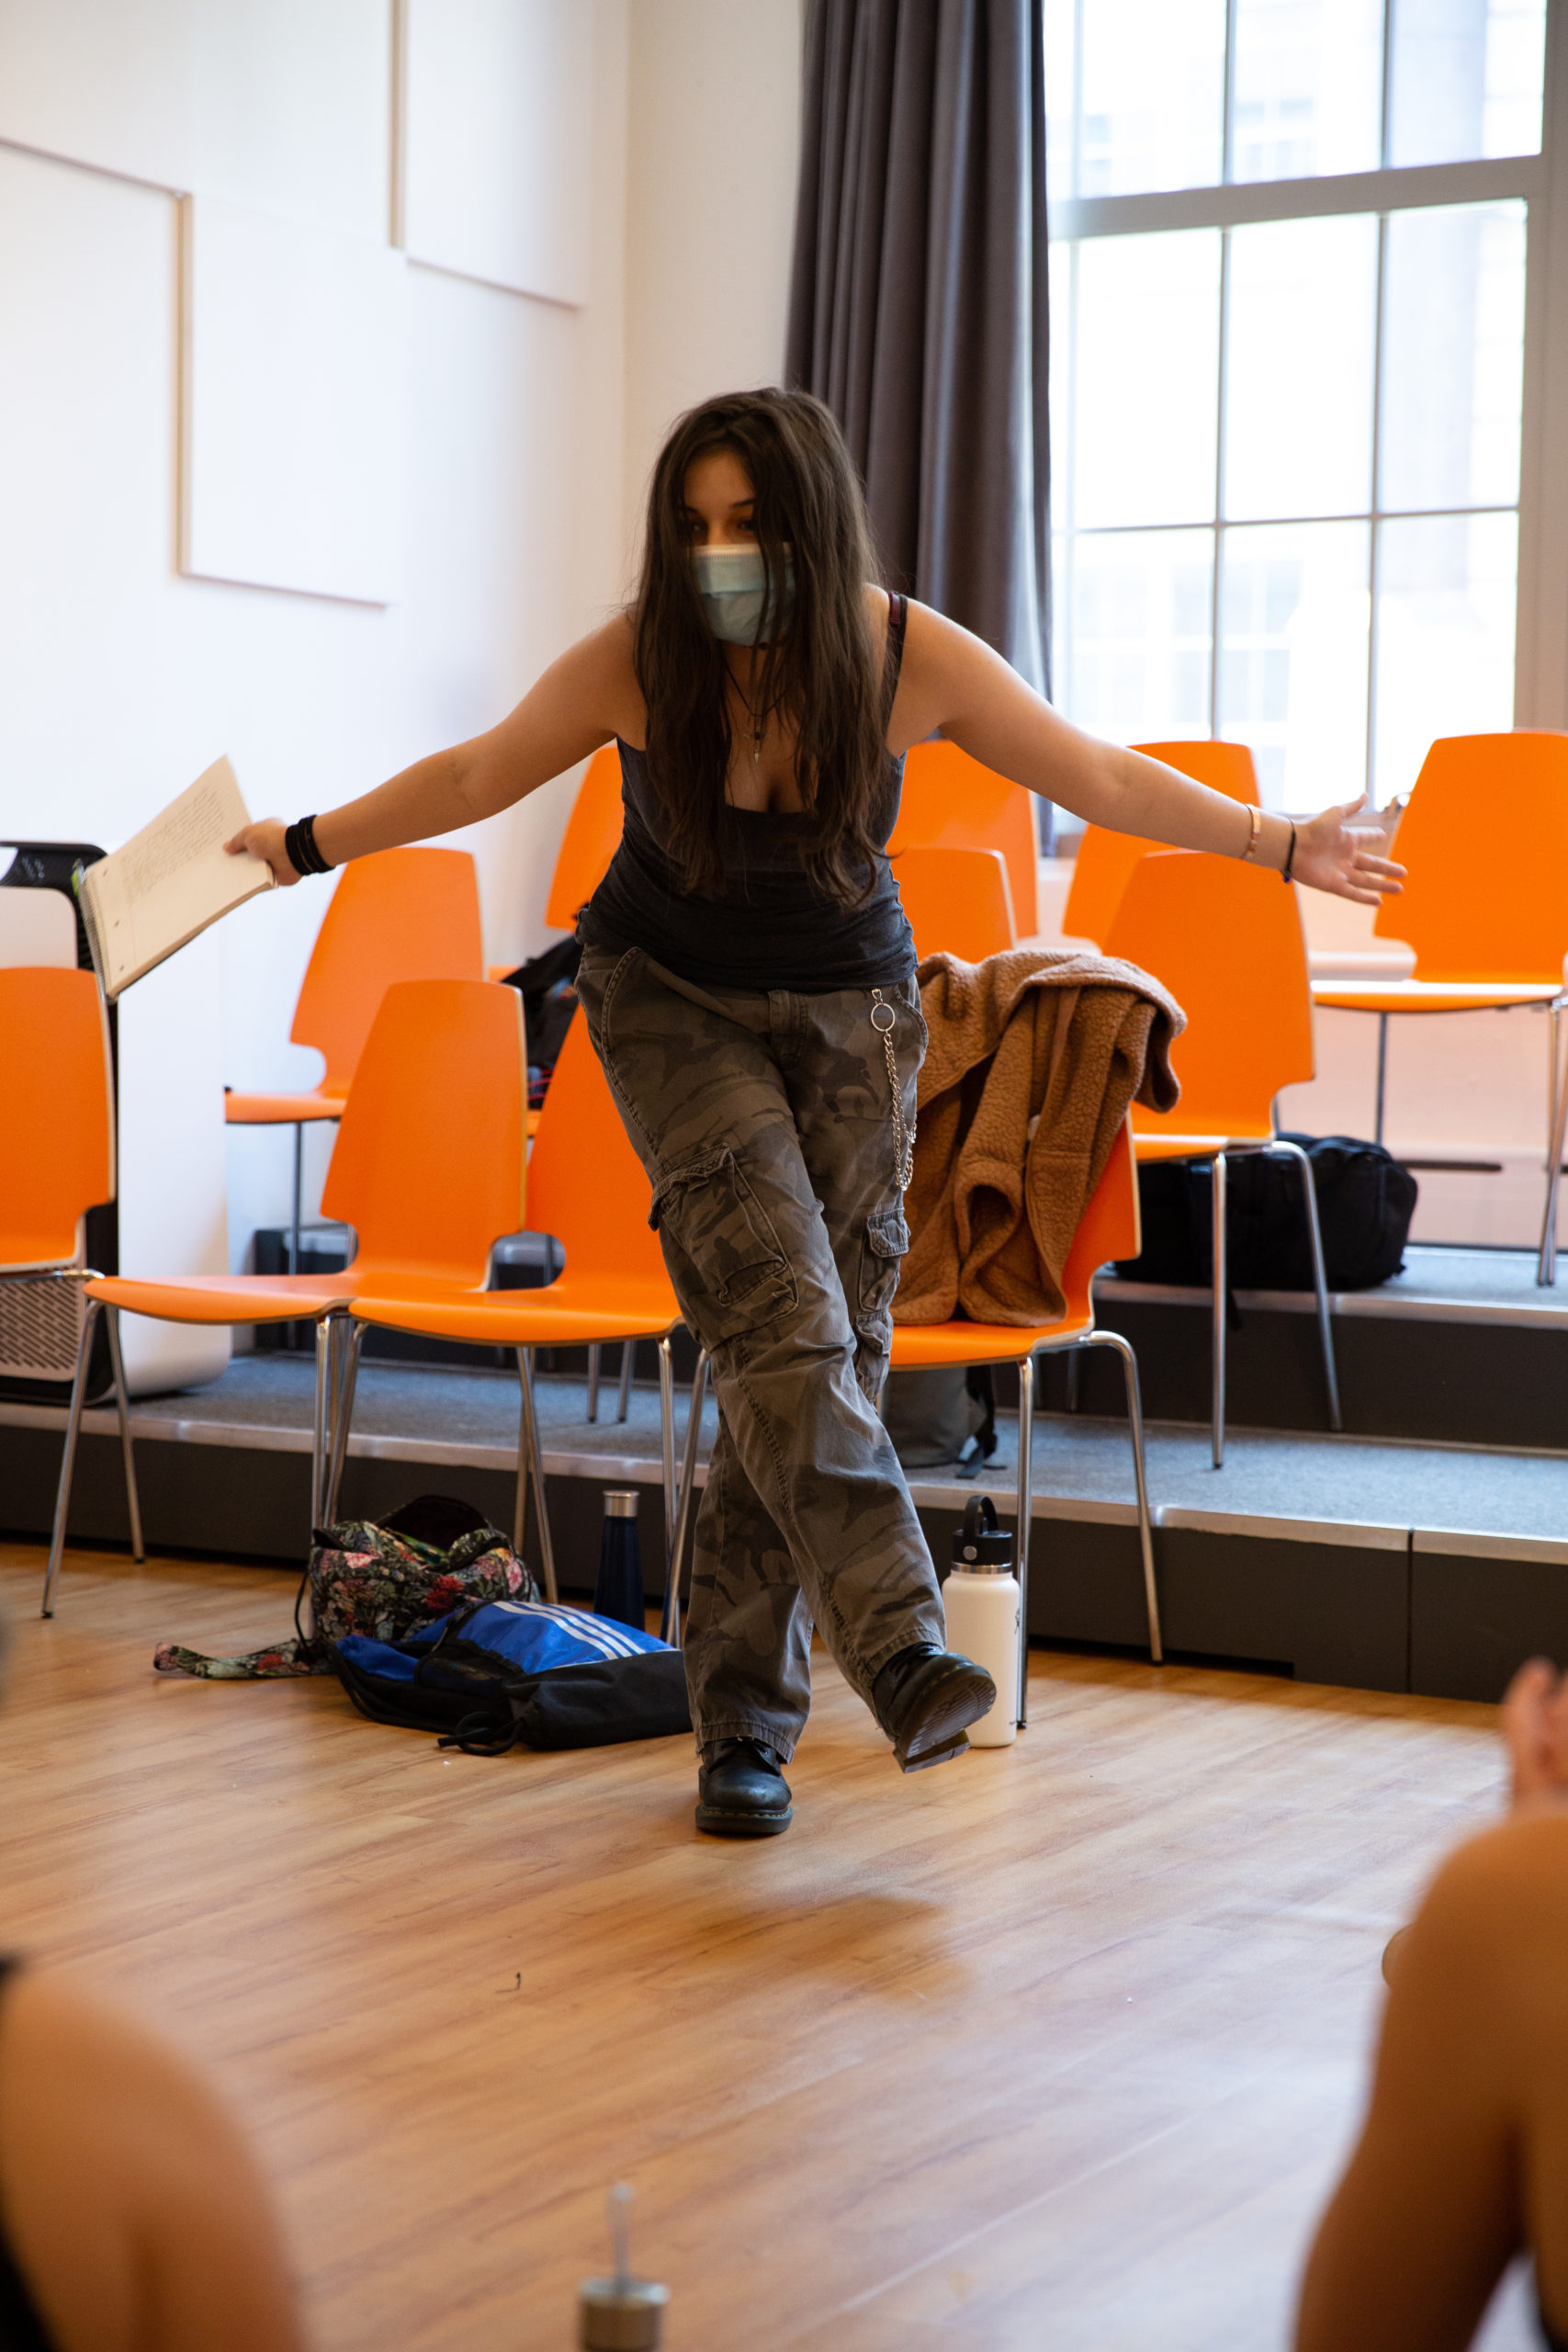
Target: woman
749 983
1462 2162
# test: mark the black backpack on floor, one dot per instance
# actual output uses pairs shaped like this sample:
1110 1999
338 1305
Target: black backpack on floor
490 1676
1365 1202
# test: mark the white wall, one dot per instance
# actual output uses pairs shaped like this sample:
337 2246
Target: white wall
120 679
532 425
713 140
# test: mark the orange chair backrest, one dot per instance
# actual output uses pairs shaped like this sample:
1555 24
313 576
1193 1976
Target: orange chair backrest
958 901
1110 1227
1225 939
1486 837
428 1166
398 914
950 801
592 836
56 1112
586 1184
1105 860
1223 767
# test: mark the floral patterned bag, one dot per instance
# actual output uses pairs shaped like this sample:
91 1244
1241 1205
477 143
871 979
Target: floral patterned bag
384 1580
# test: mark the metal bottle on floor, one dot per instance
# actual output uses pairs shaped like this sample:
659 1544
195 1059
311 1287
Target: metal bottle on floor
981 1599
621 2314
618 1590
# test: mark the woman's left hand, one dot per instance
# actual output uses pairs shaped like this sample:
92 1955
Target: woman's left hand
1344 859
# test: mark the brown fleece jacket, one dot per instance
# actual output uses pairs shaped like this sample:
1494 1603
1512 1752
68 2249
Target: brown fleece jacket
1034 1057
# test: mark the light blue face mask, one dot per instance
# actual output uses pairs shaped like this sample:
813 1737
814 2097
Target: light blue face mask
732 583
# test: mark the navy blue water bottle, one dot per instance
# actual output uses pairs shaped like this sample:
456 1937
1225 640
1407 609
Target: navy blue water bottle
617 1592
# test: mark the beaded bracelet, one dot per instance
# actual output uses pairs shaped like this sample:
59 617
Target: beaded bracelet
299 847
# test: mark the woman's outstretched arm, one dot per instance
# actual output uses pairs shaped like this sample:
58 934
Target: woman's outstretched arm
953 685
582 699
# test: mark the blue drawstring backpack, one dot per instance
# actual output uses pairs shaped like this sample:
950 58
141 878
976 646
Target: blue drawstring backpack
492 1673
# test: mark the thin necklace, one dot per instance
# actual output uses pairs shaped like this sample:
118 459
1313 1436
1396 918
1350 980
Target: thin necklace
759 719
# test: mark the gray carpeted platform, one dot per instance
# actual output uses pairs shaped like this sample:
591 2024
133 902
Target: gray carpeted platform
1448 1283
1286 1484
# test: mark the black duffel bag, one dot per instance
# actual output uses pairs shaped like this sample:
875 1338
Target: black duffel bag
1365 1202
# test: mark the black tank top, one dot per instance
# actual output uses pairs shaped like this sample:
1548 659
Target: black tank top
21 2326
768 926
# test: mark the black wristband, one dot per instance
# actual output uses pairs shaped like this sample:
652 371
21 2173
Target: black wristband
299 847
1285 875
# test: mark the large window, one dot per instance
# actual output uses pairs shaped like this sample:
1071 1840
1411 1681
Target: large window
1287 284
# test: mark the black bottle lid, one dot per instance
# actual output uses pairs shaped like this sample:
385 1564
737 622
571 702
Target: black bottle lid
980 1546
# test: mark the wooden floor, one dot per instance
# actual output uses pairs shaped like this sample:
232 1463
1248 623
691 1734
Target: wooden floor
1056 2046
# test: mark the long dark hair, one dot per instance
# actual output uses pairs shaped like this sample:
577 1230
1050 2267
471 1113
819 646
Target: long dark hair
823 676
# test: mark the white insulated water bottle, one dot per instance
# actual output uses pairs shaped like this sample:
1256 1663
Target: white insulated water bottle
981 1599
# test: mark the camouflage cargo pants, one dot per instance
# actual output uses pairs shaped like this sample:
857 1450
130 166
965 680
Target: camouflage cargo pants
764 1121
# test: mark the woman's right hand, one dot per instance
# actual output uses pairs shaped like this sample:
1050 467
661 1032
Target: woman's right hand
266 841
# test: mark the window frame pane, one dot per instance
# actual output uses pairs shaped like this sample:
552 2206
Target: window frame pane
1389 193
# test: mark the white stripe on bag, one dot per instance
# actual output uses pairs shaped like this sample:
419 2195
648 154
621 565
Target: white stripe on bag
604 1634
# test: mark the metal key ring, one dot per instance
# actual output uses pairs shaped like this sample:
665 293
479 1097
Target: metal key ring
882 1018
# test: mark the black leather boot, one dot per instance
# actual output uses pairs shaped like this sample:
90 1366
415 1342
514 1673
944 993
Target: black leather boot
925 1700
741 1790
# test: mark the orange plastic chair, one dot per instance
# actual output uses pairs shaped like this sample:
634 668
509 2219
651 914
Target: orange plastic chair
958 901
1227 940
587 1188
950 801
1105 859
1489 933
57 1153
1109 1229
428 1170
592 836
398 914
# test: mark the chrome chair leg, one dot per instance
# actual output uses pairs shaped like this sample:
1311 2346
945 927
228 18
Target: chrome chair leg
1025 1499
112 1325
628 1365
1217 1344
1145 1524
1319 1275
326 1368
525 1459
299 1195
1073 1368
1383 1075
92 1310
1546 1265
594 1382
528 1451
670 1623
350 1382
331 1349
667 1420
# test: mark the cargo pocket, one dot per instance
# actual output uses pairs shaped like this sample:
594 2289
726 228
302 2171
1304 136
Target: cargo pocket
886 1241
730 1273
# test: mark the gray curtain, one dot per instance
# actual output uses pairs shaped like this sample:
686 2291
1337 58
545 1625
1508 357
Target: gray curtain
917 301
